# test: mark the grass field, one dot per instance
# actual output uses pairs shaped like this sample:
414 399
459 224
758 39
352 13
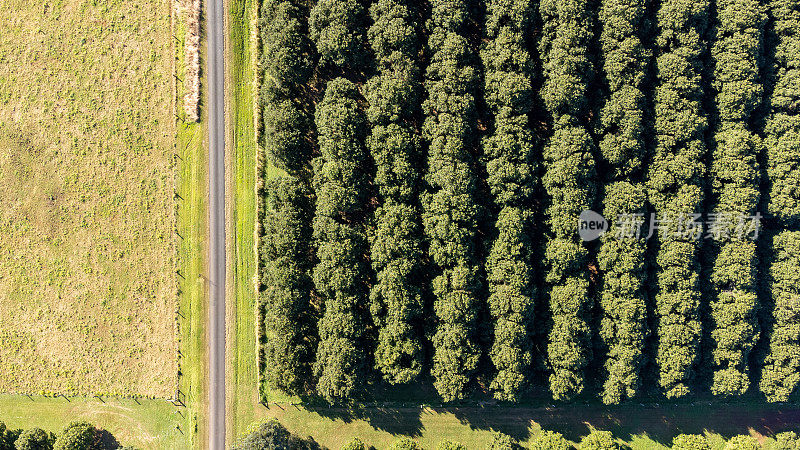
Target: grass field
87 178
153 424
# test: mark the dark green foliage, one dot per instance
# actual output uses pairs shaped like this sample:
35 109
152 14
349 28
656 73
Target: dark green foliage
598 440
271 436
450 445
625 61
7 437
79 436
355 444
675 182
737 54
742 442
509 151
787 440
286 128
450 207
502 441
508 268
288 259
341 276
569 181
397 253
397 294
690 442
550 440
405 444
782 132
287 65
402 211
781 373
337 26
623 323
35 439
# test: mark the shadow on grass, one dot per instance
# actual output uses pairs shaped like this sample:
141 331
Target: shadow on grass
400 421
661 423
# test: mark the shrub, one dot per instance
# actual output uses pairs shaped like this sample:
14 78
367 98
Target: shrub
781 373
742 442
787 441
623 325
337 28
690 442
508 152
405 444
79 436
598 440
450 445
450 207
737 53
675 183
287 63
342 274
782 131
779 378
354 444
397 252
569 182
550 440
502 441
288 259
35 439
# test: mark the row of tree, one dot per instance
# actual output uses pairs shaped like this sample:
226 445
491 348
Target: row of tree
781 375
76 436
434 167
273 435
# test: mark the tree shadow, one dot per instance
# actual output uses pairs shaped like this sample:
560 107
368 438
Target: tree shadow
404 421
659 422
106 440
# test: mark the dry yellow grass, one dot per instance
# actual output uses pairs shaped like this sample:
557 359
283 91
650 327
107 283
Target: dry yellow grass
87 253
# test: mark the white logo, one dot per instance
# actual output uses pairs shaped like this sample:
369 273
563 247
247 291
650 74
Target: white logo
591 225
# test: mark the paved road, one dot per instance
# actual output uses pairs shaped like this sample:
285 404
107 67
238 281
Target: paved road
216 187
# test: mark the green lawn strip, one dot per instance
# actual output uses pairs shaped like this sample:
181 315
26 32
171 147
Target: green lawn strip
142 423
243 370
192 218
648 427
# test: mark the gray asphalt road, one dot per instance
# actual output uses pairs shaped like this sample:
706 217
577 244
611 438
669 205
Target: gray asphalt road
216 186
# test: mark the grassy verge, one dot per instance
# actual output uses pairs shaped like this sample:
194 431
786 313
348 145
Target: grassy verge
242 375
192 222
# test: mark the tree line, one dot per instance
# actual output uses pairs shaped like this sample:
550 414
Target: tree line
273 435
76 436
433 157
